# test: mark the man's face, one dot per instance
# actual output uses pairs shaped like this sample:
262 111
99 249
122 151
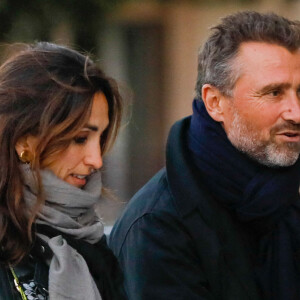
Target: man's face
262 118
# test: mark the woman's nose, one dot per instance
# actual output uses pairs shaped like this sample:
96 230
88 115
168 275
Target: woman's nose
93 158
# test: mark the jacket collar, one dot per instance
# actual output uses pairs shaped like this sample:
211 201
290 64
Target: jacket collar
183 177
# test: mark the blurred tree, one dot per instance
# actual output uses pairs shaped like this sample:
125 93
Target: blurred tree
30 20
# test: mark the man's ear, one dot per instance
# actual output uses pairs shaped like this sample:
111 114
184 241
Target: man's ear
214 102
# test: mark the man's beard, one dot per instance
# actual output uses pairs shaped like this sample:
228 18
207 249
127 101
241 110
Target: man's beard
267 152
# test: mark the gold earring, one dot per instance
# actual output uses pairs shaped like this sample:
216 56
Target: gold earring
25 157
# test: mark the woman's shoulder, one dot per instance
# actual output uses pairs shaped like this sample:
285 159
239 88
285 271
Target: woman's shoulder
32 275
6 284
100 260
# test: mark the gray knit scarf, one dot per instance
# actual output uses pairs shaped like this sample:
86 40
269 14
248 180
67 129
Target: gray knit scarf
69 210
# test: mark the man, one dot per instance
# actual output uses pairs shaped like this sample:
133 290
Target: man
222 221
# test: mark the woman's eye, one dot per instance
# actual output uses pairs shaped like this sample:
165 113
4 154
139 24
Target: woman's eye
80 139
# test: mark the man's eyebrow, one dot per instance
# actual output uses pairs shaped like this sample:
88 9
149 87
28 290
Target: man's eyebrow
274 86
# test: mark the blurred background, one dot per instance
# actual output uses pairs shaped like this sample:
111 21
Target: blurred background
150 48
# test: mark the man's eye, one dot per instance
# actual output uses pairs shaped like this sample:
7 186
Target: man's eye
275 93
80 139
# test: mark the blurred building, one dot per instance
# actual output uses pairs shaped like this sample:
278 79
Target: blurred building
152 48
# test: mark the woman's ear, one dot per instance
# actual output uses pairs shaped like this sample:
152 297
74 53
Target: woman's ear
214 102
21 145
25 148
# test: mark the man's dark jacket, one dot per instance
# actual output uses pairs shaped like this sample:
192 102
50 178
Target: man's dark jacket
174 241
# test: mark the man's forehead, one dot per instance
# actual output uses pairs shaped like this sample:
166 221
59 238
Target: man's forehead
255 56
256 49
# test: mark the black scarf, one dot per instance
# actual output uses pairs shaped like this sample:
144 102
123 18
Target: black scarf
265 200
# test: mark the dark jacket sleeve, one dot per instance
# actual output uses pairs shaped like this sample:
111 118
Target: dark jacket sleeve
159 261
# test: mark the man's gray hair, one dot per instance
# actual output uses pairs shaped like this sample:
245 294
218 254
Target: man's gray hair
216 60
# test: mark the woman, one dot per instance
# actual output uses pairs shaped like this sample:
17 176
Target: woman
58 115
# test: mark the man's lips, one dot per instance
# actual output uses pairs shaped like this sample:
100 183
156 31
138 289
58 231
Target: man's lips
289 136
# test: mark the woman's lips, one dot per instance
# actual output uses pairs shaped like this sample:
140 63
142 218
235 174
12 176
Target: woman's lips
77 180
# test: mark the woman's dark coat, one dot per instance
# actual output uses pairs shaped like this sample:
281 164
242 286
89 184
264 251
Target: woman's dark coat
101 262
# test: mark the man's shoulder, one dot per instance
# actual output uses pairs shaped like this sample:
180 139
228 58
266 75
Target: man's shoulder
153 198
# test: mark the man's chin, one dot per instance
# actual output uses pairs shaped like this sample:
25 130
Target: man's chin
277 156
273 155
272 152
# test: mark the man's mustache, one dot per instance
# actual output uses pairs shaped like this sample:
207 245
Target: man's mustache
287 126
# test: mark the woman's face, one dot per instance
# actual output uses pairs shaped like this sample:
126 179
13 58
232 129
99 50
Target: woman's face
83 155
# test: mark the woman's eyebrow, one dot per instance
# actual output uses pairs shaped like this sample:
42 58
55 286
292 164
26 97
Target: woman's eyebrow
91 127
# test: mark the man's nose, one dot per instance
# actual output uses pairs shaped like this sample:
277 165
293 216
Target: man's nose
93 158
292 109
